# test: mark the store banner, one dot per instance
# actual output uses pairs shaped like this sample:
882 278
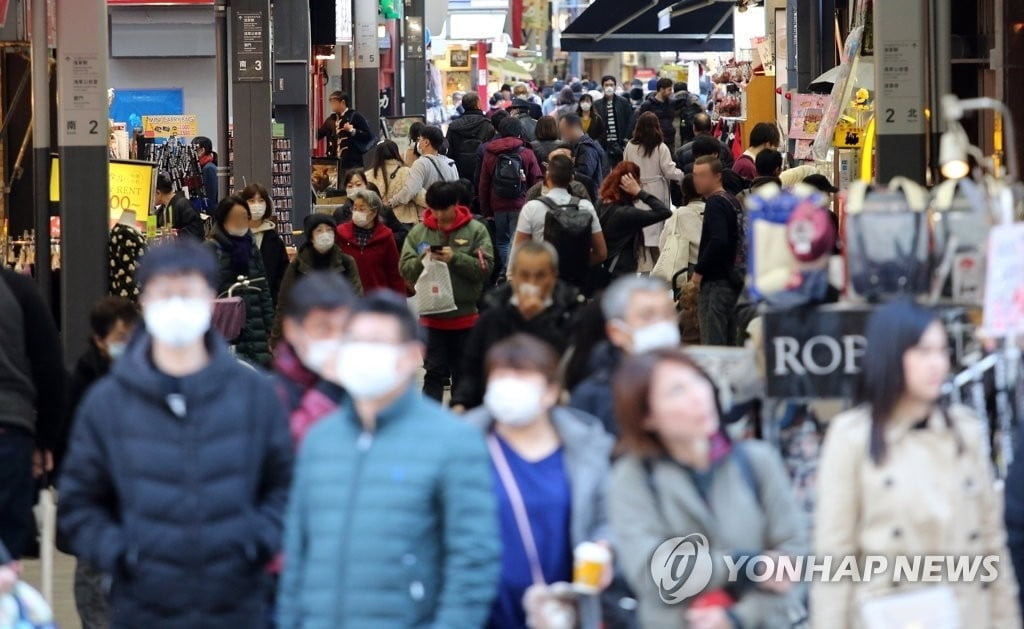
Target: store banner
1004 282
183 126
131 187
814 352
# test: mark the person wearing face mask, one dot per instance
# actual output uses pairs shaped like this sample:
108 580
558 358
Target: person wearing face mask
556 459
319 252
113 320
412 153
905 471
593 124
392 520
679 474
639 317
617 113
449 234
312 326
371 243
532 302
430 168
184 217
237 256
179 455
264 233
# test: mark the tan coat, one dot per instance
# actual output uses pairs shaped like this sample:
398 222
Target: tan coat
410 212
924 498
657 170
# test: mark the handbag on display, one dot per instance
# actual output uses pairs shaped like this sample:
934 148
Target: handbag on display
961 222
888 241
434 291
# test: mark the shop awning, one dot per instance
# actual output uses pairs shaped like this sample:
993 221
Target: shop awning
622 26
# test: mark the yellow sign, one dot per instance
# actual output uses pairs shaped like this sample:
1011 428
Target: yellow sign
182 126
131 187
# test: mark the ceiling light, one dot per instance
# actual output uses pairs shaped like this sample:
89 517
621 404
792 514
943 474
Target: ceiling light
953 153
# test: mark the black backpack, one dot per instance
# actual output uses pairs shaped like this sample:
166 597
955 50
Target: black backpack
569 230
509 179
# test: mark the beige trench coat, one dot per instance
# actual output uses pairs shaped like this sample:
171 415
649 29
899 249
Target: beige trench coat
657 170
925 498
409 213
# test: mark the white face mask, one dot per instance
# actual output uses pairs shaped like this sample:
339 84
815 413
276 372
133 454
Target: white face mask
514 402
368 370
238 233
323 241
586 106
362 219
178 321
319 352
660 335
116 350
258 211
609 91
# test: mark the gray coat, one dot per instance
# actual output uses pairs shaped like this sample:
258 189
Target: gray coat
735 522
587 450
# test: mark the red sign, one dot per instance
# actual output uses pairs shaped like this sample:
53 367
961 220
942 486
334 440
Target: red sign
3 11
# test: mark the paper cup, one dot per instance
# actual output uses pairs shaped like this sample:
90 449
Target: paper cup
591 560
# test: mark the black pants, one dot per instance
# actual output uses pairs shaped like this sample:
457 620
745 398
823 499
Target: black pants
443 361
17 490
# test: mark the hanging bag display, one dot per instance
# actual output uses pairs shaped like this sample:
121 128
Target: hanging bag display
961 223
434 292
888 241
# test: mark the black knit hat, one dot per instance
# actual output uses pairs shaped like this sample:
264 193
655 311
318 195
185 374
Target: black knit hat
177 257
316 220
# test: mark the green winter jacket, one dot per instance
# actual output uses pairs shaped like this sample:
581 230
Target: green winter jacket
252 344
470 266
309 261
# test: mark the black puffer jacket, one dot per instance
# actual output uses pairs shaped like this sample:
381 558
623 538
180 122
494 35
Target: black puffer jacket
182 509
253 344
465 135
501 320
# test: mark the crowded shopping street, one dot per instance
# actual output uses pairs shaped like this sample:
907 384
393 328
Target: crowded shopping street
595 314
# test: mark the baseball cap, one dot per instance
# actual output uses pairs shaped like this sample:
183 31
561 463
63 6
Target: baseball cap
820 182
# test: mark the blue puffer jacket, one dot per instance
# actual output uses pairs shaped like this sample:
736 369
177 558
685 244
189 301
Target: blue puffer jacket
391 529
183 509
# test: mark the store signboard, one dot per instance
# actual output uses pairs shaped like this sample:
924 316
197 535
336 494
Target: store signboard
251 53
414 48
131 187
343 21
814 352
183 126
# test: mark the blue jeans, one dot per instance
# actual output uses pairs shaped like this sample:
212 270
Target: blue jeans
505 233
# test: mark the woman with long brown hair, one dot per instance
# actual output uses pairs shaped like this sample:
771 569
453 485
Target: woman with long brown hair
680 474
625 210
657 168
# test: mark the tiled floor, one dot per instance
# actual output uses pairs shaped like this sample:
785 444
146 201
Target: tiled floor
63 594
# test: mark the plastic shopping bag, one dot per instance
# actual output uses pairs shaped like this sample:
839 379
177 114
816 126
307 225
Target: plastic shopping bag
434 292
24 608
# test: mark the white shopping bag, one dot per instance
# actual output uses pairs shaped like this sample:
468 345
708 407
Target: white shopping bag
434 292
47 513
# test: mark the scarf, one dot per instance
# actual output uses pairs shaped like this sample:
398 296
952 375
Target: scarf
363 236
241 254
205 159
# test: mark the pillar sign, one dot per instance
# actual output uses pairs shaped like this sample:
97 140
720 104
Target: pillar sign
252 50
82 87
900 88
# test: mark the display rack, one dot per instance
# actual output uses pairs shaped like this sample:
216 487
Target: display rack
281 188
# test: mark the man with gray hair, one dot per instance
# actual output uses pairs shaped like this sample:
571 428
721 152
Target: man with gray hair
533 301
639 317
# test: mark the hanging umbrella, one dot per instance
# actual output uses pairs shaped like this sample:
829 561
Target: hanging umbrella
865 78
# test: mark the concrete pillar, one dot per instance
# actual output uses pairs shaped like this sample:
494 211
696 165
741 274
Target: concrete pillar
41 146
414 66
366 88
82 132
291 97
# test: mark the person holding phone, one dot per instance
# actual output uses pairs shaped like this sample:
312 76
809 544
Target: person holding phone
449 234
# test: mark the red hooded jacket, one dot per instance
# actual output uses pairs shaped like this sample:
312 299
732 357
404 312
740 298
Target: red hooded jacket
377 261
490 203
